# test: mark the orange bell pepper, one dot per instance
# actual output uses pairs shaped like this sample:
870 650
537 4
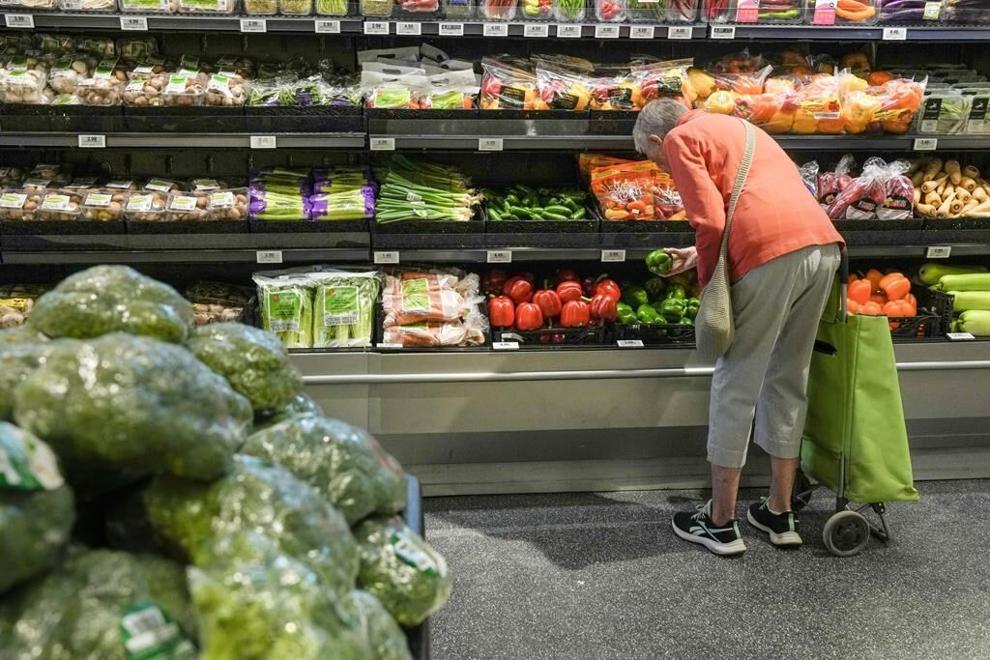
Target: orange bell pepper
860 291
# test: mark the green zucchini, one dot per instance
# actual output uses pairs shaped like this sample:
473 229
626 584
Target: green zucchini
964 301
931 273
964 282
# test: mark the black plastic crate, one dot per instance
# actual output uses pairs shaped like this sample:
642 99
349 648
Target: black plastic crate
660 334
188 227
612 122
185 119
304 119
418 234
308 226
61 118
554 337
939 304
922 326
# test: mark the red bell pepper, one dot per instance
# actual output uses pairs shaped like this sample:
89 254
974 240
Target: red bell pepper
567 275
588 286
603 306
549 302
575 314
493 281
502 312
609 288
519 289
528 317
569 290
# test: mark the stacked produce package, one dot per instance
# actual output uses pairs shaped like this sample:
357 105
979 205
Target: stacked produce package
342 193
969 288
631 189
435 307
420 190
416 78
169 492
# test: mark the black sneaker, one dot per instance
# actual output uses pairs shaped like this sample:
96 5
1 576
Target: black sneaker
699 528
782 528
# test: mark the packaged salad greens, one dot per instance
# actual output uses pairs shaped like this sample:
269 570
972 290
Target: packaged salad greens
286 305
332 7
344 308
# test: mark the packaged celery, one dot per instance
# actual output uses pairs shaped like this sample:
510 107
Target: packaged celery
286 304
344 308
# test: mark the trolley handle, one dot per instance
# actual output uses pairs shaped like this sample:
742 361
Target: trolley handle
843 281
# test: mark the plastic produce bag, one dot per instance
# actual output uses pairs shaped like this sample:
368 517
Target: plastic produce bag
121 407
562 90
299 406
416 296
106 299
401 570
17 361
286 304
256 497
509 84
103 604
881 192
344 308
365 612
36 507
343 463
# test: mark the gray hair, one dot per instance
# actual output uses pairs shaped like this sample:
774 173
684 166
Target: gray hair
657 118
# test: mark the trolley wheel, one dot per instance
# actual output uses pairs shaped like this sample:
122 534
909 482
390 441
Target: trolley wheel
846 533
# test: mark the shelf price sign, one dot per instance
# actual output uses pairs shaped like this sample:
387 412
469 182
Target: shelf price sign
254 25
505 345
495 29
264 142
268 256
938 252
92 141
386 257
723 32
409 29
326 26
25 21
490 144
685 33
959 336
894 34
381 143
536 30
606 32
569 31
376 27
451 29
499 256
134 23
642 32
613 256
629 343
925 144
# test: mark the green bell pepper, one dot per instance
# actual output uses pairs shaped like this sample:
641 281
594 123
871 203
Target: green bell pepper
655 287
677 292
634 296
625 314
672 309
691 307
659 262
687 320
647 314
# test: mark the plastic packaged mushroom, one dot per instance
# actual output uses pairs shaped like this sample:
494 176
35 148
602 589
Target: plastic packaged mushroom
228 205
146 92
183 91
24 80
17 205
186 207
226 90
87 5
68 71
59 206
104 205
149 6
145 207
98 91
207 6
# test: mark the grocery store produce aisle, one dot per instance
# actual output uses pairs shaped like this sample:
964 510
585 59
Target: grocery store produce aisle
602 576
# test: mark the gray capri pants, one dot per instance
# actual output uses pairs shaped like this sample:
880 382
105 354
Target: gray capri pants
776 309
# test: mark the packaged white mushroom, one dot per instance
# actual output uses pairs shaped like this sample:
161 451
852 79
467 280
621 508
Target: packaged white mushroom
98 47
68 71
82 183
236 65
19 204
207 6
146 92
122 185
226 90
186 207
10 176
24 80
59 205
206 185
104 205
87 5
218 302
145 207
164 186
137 49
98 91
149 6
183 90
229 204
33 4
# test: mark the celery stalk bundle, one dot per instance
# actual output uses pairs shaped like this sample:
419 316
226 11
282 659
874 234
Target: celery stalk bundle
338 194
425 191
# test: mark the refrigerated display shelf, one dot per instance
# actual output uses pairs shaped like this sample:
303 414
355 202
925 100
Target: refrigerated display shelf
157 140
861 33
288 255
174 23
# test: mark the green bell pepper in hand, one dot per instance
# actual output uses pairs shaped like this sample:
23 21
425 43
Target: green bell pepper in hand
655 287
634 296
625 315
672 309
659 262
691 307
647 314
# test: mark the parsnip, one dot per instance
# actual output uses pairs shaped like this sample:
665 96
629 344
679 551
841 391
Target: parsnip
983 208
962 195
971 171
968 183
953 170
956 207
933 168
971 204
926 210
942 186
917 164
917 195
980 195
918 178
931 184
943 210
933 199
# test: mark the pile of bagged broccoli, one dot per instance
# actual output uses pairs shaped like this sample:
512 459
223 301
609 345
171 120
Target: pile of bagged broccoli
168 492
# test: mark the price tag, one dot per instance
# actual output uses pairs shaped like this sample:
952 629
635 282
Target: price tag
642 31
254 25
500 256
388 345
959 336
20 21
409 29
92 141
134 23
386 257
495 29
629 343
268 256
932 11
381 143
894 34
536 30
451 29
326 26
938 252
723 32
264 142
686 33
824 12
569 31
376 27
490 144
925 144
613 256
505 345
606 32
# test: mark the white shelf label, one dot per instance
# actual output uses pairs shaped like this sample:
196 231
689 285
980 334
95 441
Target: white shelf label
536 30
381 143
606 32
264 142
723 32
495 30
938 252
569 31
505 345
960 336
92 141
451 29
490 144
254 25
642 32
386 257
25 21
629 343
386 344
686 33
613 256
134 23
376 27
500 256
326 26
409 29
925 144
932 11
894 34
268 256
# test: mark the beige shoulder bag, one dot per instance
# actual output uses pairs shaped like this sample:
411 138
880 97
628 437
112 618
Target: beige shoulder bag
714 327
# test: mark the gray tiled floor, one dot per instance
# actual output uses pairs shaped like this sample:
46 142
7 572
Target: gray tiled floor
602 576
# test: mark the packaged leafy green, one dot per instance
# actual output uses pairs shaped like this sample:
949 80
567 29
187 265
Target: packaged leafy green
286 305
21 334
298 406
944 112
17 362
344 308
387 640
36 507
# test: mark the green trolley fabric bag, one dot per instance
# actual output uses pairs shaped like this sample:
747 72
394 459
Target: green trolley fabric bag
855 440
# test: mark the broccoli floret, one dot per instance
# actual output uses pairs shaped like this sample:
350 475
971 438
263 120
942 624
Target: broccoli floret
36 507
107 299
387 640
121 407
253 361
401 569
344 463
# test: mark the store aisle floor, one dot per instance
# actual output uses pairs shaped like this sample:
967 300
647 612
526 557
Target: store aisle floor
590 576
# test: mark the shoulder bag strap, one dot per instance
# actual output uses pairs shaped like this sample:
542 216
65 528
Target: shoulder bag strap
741 174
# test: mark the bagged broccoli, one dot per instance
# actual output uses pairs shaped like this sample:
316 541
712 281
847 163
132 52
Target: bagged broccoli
102 604
121 407
253 361
36 507
344 463
256 603
298 406
344 308
255 497
17 362
286 305
21 334
106 299
387 640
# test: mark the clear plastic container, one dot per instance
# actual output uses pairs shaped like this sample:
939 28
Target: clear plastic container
295 7
186 207
145 92
149 6
646 11
680 11
163 186
60 206
459 8
849 12
24 86
376 8
88 5
497 10
67 72
228 204
416 9
99 91
260 7
944 113
978 122
569 11
207 7
610 11
754 11
32 4
226 91
19 204
104 205
183 91
145 207
536 10
332 7
912 12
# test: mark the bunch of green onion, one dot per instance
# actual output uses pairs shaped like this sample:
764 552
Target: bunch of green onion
419 190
